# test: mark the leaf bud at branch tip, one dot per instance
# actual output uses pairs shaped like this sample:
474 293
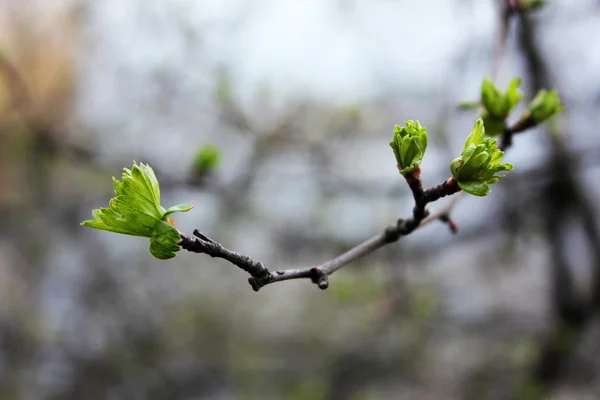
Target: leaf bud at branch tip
136 210
497 105
409 145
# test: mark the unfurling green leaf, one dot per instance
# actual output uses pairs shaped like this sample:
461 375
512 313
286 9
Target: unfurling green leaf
136 210
178 208
409 145
479 162
164 241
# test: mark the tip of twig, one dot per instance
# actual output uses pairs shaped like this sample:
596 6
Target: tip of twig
200 235
319 278
323 283
450 222
453 227
254 283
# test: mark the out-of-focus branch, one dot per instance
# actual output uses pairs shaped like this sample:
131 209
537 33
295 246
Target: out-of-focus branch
44 132
565 199
508 9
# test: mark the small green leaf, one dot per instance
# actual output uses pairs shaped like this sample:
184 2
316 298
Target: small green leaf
137 209
408 150
120 223
513 95
476 188
145 174
136 185
477 135
178 208
164 241
491 98
98 223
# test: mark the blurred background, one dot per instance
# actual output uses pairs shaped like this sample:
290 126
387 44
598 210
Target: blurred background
273 117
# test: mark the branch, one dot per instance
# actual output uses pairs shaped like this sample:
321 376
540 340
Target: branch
203 244
443 214
261 276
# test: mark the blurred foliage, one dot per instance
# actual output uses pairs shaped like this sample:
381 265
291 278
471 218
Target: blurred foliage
39 55
224 91
524 352
425 303
37 87
352 287
207 159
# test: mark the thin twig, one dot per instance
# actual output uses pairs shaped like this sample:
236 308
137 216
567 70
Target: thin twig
203 244
260 276
443 213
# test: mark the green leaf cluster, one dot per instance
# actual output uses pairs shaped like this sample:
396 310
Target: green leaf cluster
409 145
544 106
498 105
136 210
479 163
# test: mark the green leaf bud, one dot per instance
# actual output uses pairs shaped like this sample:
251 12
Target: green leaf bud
545 105
207 158
479 162
498 105
409 145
